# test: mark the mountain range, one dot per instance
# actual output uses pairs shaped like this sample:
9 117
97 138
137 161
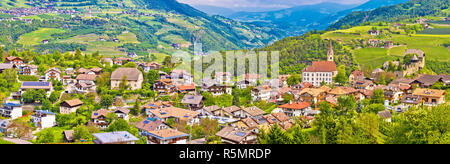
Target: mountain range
300 19
150 24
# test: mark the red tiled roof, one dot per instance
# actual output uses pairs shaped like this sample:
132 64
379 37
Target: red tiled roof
295 105
357 73
322 66
186 87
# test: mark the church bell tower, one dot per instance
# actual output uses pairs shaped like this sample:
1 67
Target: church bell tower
330 55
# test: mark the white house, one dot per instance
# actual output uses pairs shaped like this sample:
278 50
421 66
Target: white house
44 119
11 110
53 73
261 93
181 77
122 113
224 78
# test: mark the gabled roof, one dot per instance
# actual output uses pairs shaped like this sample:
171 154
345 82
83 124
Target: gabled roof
321 66
149 124
122 110
166 134
86 77
429 92
281 116
11 58
68 134
357 73
270 119
250 122
295 105
254 111
179 113
53 70
132 74
312 91
73 102
192 99
428 80
231 109
98 113
384 114
233 134
185 87
212 108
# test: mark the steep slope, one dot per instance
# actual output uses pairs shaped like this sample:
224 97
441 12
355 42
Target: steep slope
150 24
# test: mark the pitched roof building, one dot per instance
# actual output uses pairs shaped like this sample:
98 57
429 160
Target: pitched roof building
133 76
320 71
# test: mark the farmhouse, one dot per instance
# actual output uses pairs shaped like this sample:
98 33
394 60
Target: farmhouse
70 106
132 76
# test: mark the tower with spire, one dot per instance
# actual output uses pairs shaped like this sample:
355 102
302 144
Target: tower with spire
330 55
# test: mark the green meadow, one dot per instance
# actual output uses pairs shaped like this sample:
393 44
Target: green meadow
372 57
36 37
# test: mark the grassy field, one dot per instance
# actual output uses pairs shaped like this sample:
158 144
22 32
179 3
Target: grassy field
36 37
128 38
397 51
351 33
432 45
372 57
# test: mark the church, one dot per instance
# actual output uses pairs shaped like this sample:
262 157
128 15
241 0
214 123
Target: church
321 71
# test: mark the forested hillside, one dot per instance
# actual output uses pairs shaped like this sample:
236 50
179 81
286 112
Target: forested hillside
408 10
116 27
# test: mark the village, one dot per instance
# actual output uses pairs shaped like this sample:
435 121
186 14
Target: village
160 121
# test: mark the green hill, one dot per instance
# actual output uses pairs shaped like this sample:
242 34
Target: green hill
149 25
408 10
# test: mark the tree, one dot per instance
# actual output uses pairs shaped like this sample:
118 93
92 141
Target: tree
236 101
294 79
118 125
46 105
10 75
275 135
20 129
103 80
106 101
46 136
300 136
54 96
81 132
288 98
111 117
136 110
377 97
152 76
374 108
78 54
341 77
123 83
346 103
130 65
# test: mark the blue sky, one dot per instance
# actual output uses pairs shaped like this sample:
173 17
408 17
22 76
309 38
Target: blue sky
264 3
